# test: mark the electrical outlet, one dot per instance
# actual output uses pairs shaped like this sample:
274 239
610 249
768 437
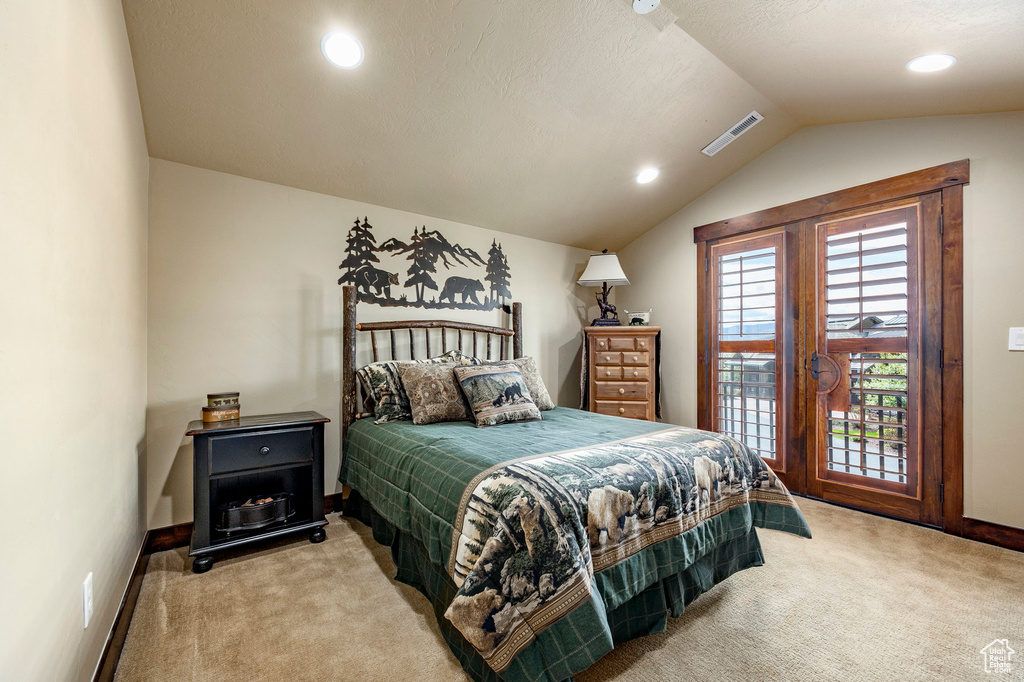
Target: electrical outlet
86 601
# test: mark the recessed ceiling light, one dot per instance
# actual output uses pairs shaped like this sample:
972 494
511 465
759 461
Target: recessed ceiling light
645 6
646 175
931 62
342 49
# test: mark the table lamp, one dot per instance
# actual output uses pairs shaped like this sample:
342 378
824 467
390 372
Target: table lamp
603 270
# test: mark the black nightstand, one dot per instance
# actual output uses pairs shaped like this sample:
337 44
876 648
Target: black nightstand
270 456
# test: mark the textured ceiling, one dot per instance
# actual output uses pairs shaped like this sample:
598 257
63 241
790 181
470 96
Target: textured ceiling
830 62
532 117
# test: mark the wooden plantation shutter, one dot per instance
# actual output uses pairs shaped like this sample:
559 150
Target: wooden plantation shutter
746 331
868 292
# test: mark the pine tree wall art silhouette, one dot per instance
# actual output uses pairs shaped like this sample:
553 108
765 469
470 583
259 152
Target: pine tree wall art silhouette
359 254
498 274
425 249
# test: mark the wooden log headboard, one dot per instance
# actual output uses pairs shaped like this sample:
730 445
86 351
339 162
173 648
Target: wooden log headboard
509 342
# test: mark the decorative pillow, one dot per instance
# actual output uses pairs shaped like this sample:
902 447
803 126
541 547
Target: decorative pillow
434 395
381 382
531 375
497 394
459 358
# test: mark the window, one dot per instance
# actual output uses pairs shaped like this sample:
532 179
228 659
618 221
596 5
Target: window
746 301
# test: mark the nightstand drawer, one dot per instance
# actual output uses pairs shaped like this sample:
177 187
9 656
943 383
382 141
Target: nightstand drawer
635 358
258 450
620 390
608 358
632 410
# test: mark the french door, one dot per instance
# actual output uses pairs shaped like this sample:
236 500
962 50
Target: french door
751 358
824 340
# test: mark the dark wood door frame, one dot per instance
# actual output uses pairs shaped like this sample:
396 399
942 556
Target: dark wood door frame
948 179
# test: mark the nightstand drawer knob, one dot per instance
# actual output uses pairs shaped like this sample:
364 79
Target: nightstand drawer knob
264 450
622 410
621 391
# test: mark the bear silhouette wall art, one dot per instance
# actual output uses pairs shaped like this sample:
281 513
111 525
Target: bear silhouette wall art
399 273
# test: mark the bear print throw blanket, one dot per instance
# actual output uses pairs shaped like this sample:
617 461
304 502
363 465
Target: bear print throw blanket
531 535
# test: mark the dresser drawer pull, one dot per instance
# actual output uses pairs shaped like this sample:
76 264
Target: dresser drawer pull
621 391
600 344
609 372
264 450
622 410
636 373
635 358
642 344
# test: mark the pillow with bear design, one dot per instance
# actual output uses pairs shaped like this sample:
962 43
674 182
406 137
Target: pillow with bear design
497 394
531 375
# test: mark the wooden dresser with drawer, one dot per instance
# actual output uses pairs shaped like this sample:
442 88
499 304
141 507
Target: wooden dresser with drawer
621 371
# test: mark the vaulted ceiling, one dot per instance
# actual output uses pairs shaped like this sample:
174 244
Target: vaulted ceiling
831 62
533 117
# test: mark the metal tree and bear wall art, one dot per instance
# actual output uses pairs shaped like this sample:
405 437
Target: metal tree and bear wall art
426 249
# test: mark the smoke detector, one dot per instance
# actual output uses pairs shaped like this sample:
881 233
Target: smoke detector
745 124
645 6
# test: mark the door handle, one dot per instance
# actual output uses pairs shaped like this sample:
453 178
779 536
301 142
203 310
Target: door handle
825 367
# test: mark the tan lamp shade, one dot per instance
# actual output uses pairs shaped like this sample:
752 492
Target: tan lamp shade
603 268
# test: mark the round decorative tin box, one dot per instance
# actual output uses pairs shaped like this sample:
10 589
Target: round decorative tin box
221 413
221 399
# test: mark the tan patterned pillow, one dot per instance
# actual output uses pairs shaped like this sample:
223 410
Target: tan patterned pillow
531 375
382 387
434 394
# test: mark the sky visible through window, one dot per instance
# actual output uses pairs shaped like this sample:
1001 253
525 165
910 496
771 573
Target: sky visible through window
866 284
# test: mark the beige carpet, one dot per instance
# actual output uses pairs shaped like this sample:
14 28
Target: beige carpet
867 599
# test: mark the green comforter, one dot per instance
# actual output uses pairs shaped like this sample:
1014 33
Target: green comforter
543 528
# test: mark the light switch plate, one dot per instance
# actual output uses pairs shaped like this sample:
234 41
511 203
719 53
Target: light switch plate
1016 338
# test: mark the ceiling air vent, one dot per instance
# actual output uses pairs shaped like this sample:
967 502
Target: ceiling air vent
748 122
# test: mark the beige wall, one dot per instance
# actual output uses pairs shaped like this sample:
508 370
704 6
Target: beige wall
662 267
73 192
243 295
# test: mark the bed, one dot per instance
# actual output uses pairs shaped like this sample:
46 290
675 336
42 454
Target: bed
543 544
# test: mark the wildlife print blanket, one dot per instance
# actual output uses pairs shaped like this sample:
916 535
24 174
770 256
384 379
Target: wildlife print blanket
531 534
